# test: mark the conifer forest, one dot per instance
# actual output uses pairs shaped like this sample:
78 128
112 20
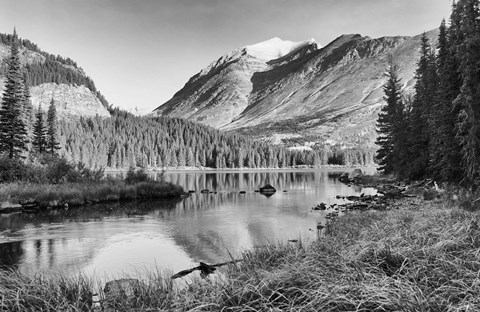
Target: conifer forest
436 131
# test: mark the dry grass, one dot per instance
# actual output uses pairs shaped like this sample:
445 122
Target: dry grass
80 193
419 258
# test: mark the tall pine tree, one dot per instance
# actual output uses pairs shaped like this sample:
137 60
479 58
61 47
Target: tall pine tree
422 112
389 123
469 98
446 153
39 132
13 130
52 143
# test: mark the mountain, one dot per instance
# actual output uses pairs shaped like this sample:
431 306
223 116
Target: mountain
53 77
299 94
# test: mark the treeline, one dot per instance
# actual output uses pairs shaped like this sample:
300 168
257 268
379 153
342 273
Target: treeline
55 69
126 140
436 132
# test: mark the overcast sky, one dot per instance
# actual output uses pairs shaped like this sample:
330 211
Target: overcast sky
140 52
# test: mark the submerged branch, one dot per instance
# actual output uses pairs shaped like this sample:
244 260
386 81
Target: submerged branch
204 268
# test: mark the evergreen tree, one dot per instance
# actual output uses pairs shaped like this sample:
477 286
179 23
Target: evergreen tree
387 122
446 153
39 132
52 143
469 98
421 114
13 130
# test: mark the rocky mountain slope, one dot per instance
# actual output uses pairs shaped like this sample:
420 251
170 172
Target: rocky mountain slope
71 100
299 93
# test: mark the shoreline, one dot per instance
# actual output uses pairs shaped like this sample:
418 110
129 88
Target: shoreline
406 257
33 198
244 169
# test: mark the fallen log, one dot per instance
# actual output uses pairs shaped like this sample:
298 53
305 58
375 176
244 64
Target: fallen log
205 269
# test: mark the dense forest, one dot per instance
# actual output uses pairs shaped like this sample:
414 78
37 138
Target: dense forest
126 140
436 132
55 69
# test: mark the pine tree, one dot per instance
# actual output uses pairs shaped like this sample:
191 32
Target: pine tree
52 143
469 98
39 132
422 111
13 130
388 122
446 153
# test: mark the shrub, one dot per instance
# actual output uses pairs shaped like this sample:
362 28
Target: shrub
12 170
58 170
136 176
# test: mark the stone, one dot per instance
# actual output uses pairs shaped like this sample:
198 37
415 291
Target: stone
344 178
7 207
125 287
267 189
355 175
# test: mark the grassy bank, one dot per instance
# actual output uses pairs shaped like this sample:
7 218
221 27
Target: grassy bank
75 194
54 182
422 257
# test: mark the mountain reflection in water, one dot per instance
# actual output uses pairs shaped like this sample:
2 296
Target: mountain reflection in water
130 237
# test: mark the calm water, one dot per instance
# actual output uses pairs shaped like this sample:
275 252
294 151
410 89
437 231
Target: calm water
132 237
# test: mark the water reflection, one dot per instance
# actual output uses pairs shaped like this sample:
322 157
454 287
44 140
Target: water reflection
124 237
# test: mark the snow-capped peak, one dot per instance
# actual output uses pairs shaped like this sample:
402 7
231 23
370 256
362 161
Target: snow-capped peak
275 48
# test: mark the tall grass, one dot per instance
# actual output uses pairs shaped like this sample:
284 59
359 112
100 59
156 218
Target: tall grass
75 194
423 257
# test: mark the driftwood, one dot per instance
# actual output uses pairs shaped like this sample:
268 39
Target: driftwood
205 269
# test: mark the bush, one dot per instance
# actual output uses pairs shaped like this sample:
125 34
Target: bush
136 176
58 170
12 170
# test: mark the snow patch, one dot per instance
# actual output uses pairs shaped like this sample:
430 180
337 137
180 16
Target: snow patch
275 48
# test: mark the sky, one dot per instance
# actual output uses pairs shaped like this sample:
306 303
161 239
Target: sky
140 52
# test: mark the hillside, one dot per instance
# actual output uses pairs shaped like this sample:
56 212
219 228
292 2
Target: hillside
308 96
53 77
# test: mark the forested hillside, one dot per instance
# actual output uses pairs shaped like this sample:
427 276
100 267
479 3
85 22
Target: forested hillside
125 140
53 69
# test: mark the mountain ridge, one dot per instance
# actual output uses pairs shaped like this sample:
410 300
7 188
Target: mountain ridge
330 94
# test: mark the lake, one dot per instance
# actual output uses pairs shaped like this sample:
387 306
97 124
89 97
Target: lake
109 240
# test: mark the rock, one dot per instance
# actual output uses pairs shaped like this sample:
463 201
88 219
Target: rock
205 191
112 197
8 207
125 287
242 192
191 191
267 189
321 206
70 100
355 175
53 203
352 198
344 178
29 201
